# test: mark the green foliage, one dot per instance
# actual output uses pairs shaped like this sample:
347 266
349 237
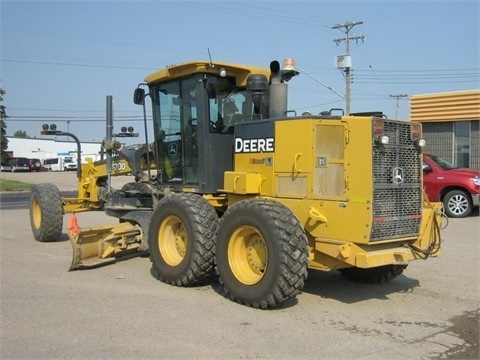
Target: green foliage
3 116
20 134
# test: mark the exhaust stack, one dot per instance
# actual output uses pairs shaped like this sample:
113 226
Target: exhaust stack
278 87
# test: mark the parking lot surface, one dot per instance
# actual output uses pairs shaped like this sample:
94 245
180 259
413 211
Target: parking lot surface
121 312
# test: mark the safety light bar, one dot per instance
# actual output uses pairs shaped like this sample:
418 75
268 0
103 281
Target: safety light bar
126 132
49 130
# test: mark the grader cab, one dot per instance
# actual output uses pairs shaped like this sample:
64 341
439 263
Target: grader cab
234 183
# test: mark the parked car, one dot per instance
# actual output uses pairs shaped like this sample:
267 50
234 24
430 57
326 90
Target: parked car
16 164
457 188
35 164
69 164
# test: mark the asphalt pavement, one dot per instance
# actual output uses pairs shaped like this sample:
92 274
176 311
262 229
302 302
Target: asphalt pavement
121 312
65 180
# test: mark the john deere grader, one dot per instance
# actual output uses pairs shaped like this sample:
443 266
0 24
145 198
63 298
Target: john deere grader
234 184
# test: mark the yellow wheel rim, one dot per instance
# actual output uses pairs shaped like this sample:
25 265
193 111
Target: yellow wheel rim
247 255
36 214
172 240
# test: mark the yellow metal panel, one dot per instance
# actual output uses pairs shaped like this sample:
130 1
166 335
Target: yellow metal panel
330 139
329 180
293 147
329 169
242 182
346 147
359 160
260 163
291 186
332 219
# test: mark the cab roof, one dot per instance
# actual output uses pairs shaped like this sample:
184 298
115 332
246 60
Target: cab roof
240 72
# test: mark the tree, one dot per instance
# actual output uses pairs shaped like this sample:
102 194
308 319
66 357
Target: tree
3 116
20 134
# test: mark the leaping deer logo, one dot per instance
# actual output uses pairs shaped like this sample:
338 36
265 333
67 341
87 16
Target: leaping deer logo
172 149
397 175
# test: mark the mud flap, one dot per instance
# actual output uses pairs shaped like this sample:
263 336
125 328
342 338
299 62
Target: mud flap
101 245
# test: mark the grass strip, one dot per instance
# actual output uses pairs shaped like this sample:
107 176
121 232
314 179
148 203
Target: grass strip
12 185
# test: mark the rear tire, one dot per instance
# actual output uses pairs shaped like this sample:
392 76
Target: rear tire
182 239
261 254
46 212
376 275
457 204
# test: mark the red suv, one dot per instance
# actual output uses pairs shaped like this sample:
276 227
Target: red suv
35 164
458 189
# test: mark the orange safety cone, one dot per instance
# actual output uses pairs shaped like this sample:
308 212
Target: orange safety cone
73 225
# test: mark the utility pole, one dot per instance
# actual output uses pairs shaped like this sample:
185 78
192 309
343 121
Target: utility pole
344 62
398 97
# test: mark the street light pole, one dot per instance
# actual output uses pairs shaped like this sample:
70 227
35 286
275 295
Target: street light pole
68 126
52 130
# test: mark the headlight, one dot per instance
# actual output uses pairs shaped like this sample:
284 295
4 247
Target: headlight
476 180
420 143
383 139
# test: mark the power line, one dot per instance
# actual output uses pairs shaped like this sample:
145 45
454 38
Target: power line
251 11
69 110
417 70
78 64
416 82
413 76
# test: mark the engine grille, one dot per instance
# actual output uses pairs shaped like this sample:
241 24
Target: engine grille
397 189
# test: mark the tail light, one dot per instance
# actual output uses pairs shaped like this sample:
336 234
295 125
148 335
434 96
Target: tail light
416 135
379 132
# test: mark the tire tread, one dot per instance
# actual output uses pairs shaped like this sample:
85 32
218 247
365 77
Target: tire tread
293 254
204 223
51 207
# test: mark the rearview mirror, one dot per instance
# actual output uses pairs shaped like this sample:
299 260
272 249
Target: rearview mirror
426 168
139 96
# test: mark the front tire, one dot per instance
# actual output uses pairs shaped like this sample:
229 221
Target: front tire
46 212
457 204
261 254
182 239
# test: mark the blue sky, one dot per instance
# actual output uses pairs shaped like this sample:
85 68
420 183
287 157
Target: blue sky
60 59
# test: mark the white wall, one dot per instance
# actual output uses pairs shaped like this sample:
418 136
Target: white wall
45 148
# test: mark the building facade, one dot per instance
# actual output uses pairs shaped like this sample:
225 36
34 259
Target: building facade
48 148
450 124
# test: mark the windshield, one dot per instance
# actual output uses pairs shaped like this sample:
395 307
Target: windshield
177 105
445 165
182 107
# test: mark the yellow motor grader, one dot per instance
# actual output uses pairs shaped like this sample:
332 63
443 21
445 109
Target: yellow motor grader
235 184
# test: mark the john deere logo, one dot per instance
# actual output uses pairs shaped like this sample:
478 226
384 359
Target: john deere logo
398 175
172 149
